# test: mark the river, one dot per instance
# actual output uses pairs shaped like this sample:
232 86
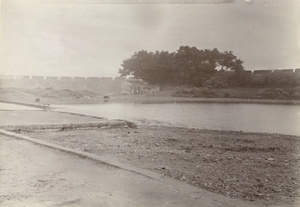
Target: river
283 119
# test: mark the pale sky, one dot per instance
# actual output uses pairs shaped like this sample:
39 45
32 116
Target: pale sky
86 38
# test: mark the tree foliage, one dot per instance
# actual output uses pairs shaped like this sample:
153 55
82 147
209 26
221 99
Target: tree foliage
188 65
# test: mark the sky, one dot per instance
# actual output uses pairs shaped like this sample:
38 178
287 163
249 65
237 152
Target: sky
89 38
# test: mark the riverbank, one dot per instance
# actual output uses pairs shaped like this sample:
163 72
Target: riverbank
154 98
46 97
43 98
258 167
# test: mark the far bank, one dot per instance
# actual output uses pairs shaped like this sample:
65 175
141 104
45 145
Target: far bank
44 97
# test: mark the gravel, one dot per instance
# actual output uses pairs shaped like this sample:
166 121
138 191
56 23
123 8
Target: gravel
257 167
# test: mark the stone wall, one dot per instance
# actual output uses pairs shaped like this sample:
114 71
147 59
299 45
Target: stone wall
102 85
269 71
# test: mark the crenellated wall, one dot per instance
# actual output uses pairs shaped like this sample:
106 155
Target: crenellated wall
260 72
102 85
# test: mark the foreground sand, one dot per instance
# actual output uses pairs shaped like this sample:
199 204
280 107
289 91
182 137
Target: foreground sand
262 168
36 176
258 167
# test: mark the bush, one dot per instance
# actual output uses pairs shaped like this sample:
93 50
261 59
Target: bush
273 93
214 82
296 93
194 92
226 95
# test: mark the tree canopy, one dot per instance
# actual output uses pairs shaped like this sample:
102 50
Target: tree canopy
188 65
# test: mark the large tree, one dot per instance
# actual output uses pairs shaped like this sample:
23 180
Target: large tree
188 65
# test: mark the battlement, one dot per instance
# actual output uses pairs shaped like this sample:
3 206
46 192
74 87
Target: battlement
262 72
38 78
79 78
102 85
297 70
270 71
27 77
105 85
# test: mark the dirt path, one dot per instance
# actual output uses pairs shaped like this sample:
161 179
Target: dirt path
33 175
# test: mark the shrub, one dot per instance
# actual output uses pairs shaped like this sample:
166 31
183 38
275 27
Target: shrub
226 95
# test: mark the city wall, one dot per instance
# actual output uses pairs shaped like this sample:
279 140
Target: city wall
269 71
102 85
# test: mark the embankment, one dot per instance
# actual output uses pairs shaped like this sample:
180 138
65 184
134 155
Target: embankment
43 98
170 99
45 107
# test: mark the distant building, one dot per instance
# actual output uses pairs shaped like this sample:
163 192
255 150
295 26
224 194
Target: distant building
136 86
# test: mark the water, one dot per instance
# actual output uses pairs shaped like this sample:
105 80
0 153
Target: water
283 119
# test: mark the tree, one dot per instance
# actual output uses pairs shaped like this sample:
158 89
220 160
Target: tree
151 67
228 61
188 65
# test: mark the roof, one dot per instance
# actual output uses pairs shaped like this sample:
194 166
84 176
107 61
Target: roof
139 82
136 82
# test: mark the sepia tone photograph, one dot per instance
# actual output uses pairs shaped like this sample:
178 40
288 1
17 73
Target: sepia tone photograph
154 103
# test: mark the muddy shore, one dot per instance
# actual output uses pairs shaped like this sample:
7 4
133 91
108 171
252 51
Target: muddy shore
257 167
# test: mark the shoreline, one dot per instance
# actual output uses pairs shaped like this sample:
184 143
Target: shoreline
42 98
172 99
158 99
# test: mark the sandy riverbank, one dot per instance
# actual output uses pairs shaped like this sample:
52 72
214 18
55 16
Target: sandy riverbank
45 97
257 167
